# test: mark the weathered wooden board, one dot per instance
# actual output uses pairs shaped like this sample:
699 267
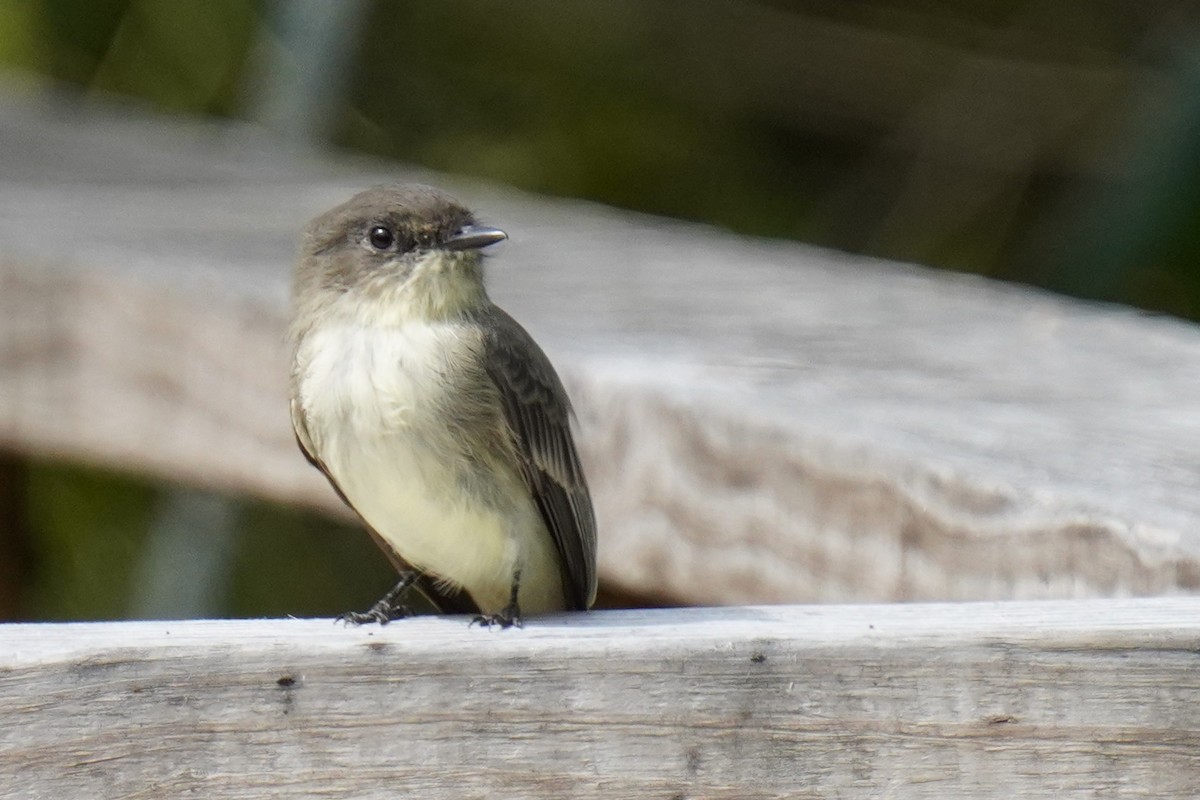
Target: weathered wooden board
761 421
1073 699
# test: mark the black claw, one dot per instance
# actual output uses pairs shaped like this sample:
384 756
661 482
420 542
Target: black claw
507 617
381 615
389 607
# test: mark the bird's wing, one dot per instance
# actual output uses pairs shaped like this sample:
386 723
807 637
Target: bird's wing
539 415
442 598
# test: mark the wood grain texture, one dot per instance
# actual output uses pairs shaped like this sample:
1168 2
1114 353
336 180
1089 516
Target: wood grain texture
1095 699
760 421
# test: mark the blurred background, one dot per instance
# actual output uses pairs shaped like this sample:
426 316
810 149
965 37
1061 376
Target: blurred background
1055 144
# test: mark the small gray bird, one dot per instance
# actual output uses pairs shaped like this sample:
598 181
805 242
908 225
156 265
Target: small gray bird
434 415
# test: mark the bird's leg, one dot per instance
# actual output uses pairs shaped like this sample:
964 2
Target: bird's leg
509 615
390 606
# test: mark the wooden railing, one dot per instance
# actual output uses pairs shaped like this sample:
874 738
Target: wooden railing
1063 699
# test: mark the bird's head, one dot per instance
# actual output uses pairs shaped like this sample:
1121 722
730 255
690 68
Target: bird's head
396 252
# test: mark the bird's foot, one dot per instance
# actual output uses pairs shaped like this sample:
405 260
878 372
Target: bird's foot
381 613
507 617
388 608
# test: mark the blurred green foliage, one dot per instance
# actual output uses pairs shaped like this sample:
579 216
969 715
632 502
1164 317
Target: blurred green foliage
178 56
926 131
1052 143
292 562
87 532
79 519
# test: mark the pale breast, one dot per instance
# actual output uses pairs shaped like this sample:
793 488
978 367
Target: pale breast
374 380
375 401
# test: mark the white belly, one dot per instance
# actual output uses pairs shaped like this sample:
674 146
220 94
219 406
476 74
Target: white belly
372 398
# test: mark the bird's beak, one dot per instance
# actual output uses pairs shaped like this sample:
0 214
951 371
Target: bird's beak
473 237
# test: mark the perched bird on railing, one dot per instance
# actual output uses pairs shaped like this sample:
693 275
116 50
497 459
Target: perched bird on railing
434 414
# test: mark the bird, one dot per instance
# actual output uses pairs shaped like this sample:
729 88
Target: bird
434 414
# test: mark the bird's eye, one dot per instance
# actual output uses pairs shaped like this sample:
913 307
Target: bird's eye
380 237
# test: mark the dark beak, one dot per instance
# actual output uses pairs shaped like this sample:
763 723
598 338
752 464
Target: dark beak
473 237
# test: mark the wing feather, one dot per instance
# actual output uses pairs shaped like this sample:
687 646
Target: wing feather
539 415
